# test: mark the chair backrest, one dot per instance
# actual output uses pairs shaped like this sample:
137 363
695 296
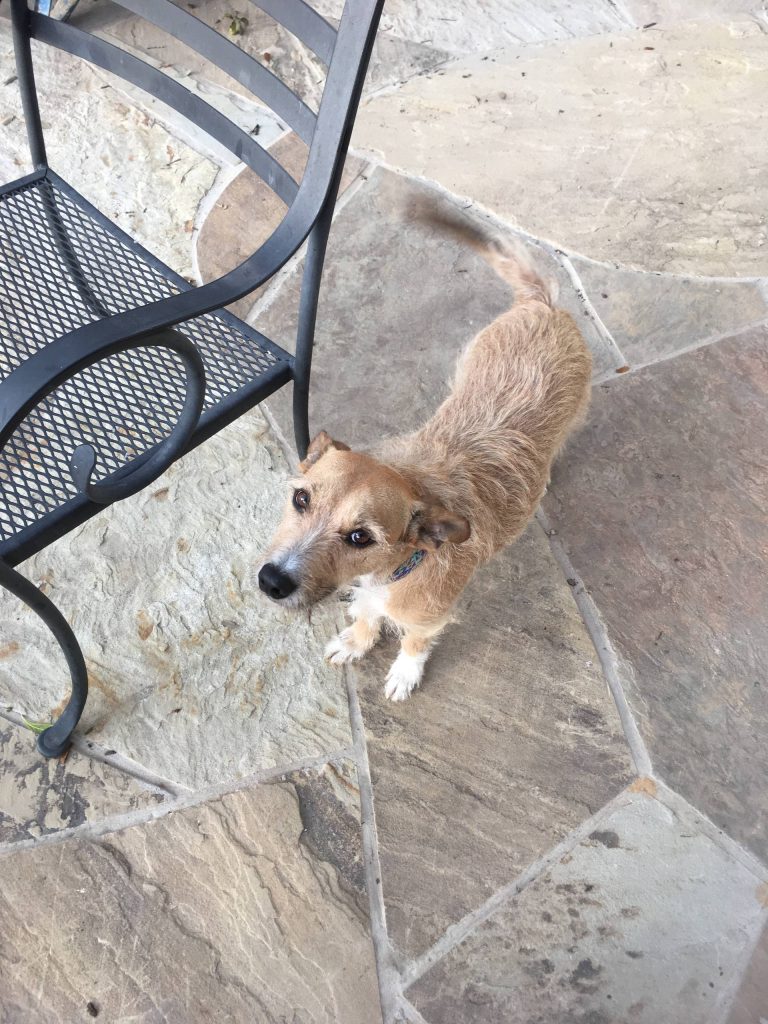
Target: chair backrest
345 52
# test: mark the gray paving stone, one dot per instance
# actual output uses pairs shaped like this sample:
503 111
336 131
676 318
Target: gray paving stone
644 921
751 1003
237 910
398 304
652 316
38 796
193 673
651 158
247 212
660 501
511 741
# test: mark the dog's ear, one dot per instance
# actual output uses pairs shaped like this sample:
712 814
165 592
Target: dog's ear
433 525
318 447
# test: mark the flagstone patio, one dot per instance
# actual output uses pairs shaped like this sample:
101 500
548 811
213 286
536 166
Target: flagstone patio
567 823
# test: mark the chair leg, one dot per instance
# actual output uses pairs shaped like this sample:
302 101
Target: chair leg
55 740
305 337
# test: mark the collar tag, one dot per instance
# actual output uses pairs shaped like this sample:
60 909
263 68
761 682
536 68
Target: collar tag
408 566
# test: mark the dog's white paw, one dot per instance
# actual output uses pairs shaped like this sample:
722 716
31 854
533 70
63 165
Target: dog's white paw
404 675
342 649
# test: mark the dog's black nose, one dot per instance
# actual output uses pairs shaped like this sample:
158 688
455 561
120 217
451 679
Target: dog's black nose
274 582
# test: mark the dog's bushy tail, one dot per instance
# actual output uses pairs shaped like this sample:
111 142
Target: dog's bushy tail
508 257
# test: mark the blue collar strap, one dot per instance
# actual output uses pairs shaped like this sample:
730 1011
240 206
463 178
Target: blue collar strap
402 570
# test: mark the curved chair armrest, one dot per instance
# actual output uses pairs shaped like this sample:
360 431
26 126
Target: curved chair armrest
62 358
83 458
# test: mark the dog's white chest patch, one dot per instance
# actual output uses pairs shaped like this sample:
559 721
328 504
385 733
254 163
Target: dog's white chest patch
369 600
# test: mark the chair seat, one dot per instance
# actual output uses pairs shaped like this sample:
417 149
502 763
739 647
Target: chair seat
64 265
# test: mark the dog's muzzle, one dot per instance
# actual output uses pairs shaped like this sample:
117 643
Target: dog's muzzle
275 583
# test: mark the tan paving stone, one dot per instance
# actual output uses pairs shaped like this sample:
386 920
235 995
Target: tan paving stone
237 910
193 673
642 149
38 796
475 26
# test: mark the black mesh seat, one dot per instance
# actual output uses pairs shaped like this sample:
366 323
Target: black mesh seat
112 366
62 266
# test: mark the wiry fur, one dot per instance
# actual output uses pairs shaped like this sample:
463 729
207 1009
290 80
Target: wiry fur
483 461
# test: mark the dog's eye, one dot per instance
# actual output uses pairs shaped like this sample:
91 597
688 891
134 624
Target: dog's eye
301 500
359 538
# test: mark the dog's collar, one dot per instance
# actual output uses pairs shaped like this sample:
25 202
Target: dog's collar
408 566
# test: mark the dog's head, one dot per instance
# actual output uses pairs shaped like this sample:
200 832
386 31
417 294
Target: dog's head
349 515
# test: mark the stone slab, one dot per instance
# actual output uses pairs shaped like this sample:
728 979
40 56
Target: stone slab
231 911
644 921
259 35
751 1003
38 796
247 212
193 673
660 502
642 150
512 740
394 58
653 316
666 12
397 305
126 163
476 26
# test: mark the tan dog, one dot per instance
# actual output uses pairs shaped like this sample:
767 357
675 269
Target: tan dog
409 523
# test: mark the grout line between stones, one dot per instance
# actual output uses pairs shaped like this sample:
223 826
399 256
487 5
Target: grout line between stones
184 801
666 796
605 651
713 339
386 969
289 452
721 1013
409 1013
621 268
225 176
681 807
456 933
276 283
621 10
375 158
105 755
578 285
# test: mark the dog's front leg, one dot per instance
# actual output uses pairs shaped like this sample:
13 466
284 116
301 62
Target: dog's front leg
408 667
354 642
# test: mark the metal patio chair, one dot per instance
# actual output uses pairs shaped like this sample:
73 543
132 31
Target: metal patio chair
113 365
